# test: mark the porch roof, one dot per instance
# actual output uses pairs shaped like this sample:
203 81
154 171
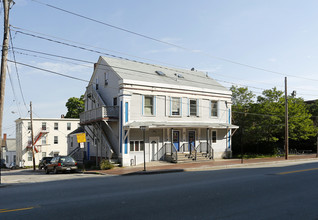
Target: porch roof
170 124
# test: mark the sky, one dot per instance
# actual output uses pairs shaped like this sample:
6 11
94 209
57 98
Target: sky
254 44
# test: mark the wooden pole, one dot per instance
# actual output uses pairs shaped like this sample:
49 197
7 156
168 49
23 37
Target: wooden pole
32 139
5 46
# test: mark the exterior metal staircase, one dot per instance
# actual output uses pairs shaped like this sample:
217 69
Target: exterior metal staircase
40 133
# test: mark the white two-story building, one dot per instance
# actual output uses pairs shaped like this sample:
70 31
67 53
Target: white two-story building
132 107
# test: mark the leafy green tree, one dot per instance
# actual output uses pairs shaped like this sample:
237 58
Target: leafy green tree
262 123
75 106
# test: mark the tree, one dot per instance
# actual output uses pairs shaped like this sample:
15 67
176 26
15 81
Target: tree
262 123
75 106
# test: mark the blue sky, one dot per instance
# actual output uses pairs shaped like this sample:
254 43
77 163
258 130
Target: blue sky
277 35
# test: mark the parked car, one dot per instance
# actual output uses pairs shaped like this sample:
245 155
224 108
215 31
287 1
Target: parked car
61 164
44 161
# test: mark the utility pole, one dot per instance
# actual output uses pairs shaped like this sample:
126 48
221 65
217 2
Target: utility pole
32 139
5 47
286 121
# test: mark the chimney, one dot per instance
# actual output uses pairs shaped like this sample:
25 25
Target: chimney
192 69
62 116
3 144
95 65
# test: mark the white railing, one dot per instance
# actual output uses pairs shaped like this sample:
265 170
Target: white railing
99 113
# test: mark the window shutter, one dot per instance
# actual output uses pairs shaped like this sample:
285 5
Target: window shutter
180 106
154 105
188 107
170 105
198 107
142 104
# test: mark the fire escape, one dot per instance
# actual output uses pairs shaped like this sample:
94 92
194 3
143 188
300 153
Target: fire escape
40 133
98 121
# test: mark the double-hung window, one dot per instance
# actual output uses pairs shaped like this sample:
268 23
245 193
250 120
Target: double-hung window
214 108
56 126
68 126
149 105
56 139
193 107
175 106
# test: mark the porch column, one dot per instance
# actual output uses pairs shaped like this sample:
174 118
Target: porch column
207 140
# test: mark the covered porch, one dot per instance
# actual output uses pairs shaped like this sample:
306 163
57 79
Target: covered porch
177 141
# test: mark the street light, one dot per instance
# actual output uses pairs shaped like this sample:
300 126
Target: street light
143 128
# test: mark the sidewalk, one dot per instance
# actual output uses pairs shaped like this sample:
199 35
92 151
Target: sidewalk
166 167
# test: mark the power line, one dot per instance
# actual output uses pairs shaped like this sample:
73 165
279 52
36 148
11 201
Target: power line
13 90
16 69
170 44
85 61
50 71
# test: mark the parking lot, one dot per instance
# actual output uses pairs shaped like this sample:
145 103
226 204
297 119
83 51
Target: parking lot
37 176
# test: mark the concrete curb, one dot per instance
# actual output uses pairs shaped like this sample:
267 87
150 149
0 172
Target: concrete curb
150 172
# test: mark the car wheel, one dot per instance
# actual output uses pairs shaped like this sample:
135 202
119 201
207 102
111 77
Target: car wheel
47 171
55 170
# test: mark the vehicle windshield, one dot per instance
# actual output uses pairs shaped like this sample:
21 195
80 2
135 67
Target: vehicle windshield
67 159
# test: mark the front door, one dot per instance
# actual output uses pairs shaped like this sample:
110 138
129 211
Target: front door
154 141
191 139
176 139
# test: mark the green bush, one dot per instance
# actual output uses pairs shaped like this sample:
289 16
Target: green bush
106 165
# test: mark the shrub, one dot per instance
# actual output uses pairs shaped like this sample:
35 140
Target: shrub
106 165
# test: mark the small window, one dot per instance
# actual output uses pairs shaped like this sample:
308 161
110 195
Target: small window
56 139
137 146
115 101
214 108
29 140
56 126
175 106
148 105
43 126
96 85
193 107
30 156
43 154
213 136
44 140
106 78
68 126
29 125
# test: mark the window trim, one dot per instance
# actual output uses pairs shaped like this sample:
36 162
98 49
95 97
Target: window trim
134 146
217 108
171 106
153 105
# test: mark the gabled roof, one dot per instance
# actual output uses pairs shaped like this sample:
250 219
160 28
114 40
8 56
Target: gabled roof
149 73
11 145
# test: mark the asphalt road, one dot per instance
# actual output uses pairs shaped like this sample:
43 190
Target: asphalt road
243 193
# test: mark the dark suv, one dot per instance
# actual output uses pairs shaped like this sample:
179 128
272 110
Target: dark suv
61 164
44 161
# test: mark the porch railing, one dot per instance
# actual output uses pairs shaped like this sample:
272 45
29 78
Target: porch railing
205 149
99 113
171 150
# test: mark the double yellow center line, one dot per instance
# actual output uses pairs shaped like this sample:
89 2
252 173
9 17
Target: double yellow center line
15 210
296 171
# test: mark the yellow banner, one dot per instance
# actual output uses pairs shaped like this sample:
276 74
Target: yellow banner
81 138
